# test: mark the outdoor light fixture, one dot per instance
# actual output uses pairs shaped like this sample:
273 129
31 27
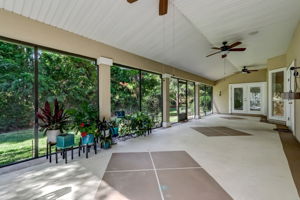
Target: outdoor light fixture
293 95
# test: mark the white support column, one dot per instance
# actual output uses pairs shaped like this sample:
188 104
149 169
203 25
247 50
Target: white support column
104 65
166 100
197 101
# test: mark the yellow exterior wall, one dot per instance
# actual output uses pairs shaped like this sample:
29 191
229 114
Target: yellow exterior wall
293 53
276 62
24 29
221 103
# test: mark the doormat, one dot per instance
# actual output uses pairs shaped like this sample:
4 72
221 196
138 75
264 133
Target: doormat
219 131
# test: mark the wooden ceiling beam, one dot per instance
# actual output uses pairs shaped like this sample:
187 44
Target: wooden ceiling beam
163 7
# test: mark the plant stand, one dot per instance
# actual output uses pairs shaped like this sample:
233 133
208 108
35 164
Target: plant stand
64 152
86 143
63 144
48 150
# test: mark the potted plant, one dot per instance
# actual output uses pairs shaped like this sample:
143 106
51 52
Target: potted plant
124 126
85 121
140 123
105 134
53 122
114 127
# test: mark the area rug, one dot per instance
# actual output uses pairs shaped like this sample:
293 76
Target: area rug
219 131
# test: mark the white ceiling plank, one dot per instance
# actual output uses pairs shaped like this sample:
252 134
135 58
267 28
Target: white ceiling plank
199 25
69 13
52 11
9 5
78 9
26 10
18 6
36 6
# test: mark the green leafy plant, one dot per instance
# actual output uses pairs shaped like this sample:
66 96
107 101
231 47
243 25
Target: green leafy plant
105 135
141 123
85 120
125 126
53 120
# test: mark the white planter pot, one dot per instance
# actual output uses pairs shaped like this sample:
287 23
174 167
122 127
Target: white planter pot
107 133
51 135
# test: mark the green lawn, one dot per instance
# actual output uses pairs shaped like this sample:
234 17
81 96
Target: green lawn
173 115
19 145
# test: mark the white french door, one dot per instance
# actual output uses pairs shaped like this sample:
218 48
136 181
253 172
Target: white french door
248 98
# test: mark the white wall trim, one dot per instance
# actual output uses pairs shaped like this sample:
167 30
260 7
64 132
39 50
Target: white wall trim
166 76
105 61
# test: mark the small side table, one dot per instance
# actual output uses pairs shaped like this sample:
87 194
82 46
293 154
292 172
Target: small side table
48 150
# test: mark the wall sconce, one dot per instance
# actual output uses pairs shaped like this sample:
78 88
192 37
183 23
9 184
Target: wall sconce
220 93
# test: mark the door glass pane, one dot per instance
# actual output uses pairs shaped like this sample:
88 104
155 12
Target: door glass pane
277 90
238 99
182 101
16 102
191 100
173 92
255 99
151 96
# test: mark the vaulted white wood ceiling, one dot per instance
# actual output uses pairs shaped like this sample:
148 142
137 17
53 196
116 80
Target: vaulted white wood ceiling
183 37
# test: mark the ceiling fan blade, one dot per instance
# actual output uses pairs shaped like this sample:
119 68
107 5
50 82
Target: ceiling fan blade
237 49
217 48
163 7
234 45
214 53
224 55
131 1
254 70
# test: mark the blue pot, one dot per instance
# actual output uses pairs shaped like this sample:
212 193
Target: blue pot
106 145
65 141
87 140
114 132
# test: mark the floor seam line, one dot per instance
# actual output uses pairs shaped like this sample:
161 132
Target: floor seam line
180 168
157 179
134 170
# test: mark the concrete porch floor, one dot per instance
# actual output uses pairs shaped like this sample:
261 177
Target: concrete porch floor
250 167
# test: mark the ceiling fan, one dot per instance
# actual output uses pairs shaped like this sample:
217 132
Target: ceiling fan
226 48
163 6
247 71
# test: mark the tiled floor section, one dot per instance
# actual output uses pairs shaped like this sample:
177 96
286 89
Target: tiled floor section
172 175
247 168
219 131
